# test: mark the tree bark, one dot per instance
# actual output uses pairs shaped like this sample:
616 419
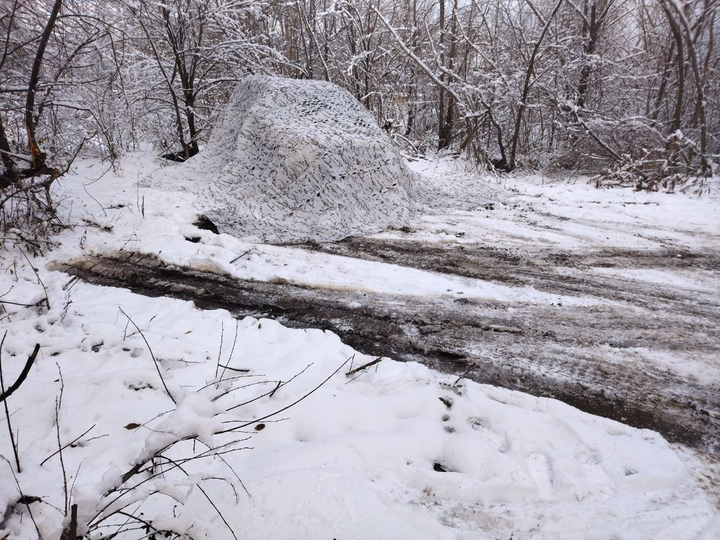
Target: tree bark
677 14
592 25
526 87
450 112
7 159
442 142
678 40
38 157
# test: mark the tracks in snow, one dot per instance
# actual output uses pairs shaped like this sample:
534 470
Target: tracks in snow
614 359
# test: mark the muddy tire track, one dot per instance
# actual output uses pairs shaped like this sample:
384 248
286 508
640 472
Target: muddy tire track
542 269
594 358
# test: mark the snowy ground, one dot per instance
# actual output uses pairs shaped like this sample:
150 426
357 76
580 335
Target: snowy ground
394 450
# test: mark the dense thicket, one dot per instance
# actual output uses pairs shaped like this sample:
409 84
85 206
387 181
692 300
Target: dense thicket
628 88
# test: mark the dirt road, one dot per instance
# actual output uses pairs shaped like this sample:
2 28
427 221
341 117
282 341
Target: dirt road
646 354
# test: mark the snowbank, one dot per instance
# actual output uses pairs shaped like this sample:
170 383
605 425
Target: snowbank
394 450
293 161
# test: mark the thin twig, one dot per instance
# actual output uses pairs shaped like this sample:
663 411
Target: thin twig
218 454
256 420
68 444
77 474
157 365
94 199
139 467
71 283
239 370
23 374
37 275
464 375
242 255
219 513
7 409
19 304
280 384
364 366
243 387
58 403
222 339
145 523
23 497
276 388
230 379
232 351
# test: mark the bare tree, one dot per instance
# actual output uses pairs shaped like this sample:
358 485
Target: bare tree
627 88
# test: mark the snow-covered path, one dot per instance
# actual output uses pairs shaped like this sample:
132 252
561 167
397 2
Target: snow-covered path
392 451
606 299
395 450
624 364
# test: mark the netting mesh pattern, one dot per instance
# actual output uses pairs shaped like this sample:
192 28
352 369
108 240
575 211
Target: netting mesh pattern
293 161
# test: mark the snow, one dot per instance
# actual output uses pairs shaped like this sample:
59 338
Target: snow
168 218
338 456
354 460
513 211
295 160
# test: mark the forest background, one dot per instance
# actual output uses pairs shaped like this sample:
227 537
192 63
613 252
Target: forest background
628 89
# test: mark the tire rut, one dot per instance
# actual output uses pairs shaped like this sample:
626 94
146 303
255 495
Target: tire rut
594 358
542 269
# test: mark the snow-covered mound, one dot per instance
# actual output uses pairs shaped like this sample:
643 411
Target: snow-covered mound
293 161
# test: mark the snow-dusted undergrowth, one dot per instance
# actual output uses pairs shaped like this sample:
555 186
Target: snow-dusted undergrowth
295 160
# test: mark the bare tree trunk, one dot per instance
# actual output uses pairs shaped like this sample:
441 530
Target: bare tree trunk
313 40
192 148
710 44
187 79
38 157
307 48
442 141
678 40
7 159
592 26
526 87
680 19
412 22
662 89
450 114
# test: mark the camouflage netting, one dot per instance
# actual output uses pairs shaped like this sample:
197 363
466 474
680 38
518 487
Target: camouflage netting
293 161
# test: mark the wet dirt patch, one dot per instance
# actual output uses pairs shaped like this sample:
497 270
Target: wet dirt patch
551 271
597 358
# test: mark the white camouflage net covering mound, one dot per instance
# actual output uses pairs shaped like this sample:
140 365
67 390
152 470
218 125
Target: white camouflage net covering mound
293 161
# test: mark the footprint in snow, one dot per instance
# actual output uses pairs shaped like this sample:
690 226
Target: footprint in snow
484 428
540 469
